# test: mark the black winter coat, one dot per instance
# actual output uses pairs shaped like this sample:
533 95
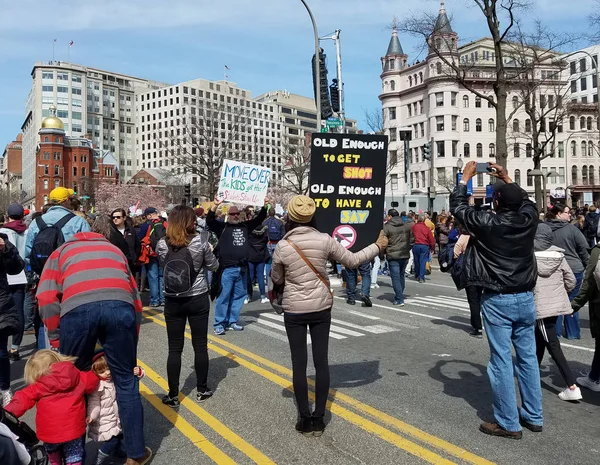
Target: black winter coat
500 255
10 263
400 237
128 243
257 240
590 225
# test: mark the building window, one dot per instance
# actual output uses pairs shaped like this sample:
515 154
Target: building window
591 175
573 148
529 179
572 123
479 179
583 81
409 110
477 101
478 125
515 101
438 67
528 150
56 183
46 155
573 87
516 125
410 81
74 171
584 175
528 125
518 177
441 151
590 149
392 113
439 99
582 124
47 88
589 123
582 66
83 171
491 125
574 175
561 175
492 149
394 181
561 150
573 67
421 77
454 148
45 184
466 101
453 98
479 149
454 122
393 85
439 123
466 125
516 150
466 150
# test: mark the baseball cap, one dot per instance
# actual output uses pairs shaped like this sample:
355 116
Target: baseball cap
150 211
15 210
60 194
509 196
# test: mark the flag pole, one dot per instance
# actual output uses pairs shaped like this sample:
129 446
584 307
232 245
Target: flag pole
53 46
69 53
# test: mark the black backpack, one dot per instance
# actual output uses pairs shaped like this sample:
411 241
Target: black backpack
48 239
179 272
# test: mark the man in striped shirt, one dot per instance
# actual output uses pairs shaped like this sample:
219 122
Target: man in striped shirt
88 294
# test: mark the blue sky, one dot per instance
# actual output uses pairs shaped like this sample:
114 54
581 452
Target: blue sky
267 44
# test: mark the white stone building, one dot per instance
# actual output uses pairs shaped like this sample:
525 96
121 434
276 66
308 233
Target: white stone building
426 99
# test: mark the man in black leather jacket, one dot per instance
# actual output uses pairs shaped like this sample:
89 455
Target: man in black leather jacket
500 258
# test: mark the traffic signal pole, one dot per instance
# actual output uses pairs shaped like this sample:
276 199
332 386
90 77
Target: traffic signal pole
317 71
338 57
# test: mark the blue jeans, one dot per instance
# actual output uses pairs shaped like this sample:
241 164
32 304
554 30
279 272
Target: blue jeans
352 279
509 320
271 249
28 310
18 295
4 362
258 270
114 324
110 446
155 281
233 293
571 322
421 254
397 269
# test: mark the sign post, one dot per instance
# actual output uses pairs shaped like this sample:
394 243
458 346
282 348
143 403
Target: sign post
347 183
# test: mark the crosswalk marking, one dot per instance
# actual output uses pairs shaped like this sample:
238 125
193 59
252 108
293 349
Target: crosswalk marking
364 315
424 303
331 333
267 332
375 329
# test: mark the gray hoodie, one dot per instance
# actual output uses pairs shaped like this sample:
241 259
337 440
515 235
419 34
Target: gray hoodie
555 281
573 243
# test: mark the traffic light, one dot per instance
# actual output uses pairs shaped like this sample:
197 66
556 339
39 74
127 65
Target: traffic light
188 191
326 110
427 151
195 202
335 96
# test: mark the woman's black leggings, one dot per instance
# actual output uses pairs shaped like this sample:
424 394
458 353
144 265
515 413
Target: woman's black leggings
318 324
178 311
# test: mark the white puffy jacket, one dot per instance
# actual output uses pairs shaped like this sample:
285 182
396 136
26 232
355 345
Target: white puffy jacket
555 281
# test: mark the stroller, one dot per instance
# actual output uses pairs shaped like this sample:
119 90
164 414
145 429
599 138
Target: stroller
26 436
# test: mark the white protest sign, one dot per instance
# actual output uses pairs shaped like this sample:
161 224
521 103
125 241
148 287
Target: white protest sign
243 183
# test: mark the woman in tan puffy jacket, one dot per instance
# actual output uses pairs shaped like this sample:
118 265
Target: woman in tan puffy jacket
307 301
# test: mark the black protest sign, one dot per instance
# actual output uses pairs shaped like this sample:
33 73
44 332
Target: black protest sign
347 183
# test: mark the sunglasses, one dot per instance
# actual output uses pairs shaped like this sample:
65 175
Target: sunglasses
117 217
234 214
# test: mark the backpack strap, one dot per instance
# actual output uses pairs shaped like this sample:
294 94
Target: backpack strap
63 221
41 223
310 265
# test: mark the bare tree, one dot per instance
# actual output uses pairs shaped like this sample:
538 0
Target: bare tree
374 120
295 167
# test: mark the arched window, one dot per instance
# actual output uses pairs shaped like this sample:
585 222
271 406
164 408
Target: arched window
477 101
529 179
480 150
591 175
516 125
438 67
46 139
393 85
583 148
491 125
528 151
492 150
574 175
590 148
527 125
518 177
466 101
516 150
478 125
515 101
438 44
572 123
466 125
410 81
466 151
573 148
582 123
589 123
584 175
57 140
421 77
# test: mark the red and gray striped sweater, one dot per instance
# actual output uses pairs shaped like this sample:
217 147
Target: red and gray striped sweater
85 269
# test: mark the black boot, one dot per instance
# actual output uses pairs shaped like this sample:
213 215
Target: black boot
305 426
318 426
366 301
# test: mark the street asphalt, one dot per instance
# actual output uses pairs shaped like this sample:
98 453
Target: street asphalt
408 385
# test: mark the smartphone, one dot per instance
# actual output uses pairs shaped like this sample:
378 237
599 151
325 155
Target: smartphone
482 167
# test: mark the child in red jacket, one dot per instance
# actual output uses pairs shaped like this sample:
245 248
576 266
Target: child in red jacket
58 390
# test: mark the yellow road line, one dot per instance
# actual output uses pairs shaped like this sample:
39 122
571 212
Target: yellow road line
186 428
351 417
253 454
416 433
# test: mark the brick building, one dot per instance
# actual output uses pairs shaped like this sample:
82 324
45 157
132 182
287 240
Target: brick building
70 162
11 170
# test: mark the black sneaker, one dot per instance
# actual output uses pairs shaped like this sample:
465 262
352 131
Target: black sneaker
351 302
476 333
318 426
14 356
305 426
172 402
202 396
366 301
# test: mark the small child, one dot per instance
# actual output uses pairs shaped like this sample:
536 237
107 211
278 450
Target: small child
58 391
103 413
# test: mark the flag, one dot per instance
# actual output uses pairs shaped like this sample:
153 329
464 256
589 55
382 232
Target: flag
227 68
71 44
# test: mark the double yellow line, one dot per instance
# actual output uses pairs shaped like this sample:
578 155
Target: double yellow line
422 451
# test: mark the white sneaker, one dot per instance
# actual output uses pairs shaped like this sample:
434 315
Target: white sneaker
246 301
264 300
586 382
569 394
375 286
6 397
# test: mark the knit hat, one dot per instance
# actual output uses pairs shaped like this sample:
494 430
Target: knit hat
543 238
509 196
301 209
60 194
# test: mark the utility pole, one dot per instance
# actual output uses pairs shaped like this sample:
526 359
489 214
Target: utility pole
317 71
338 56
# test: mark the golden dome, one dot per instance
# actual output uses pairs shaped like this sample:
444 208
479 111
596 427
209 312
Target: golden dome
52 121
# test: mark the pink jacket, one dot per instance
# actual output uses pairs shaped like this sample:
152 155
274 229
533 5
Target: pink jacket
102 408
304 292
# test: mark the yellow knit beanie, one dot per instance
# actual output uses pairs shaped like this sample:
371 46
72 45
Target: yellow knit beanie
301 209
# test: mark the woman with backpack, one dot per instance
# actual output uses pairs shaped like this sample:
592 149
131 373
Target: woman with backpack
300 262
183 255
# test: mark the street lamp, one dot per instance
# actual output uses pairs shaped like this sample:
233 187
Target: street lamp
540 173
317 70
459 164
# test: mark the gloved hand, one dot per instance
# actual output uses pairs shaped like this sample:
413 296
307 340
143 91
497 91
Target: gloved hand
382 241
